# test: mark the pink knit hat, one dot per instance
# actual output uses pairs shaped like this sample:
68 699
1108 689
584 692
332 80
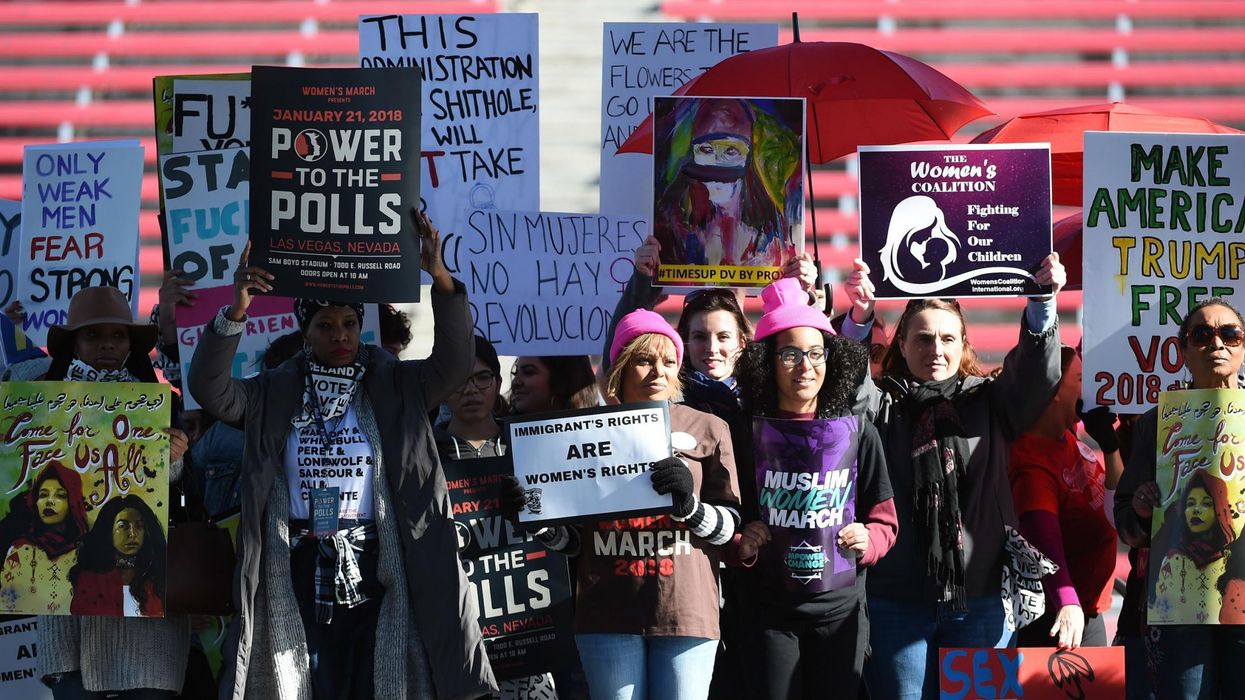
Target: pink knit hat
786 306
636 324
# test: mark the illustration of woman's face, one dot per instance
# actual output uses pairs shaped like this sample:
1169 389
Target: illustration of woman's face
723 152
52 502
128 532
1199 510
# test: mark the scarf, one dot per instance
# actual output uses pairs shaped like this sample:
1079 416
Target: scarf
80 371
939 461
1201 552
327 393
717 396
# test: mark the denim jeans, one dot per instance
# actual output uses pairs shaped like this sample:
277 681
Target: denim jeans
1138 683
1201 662
631 667
906 635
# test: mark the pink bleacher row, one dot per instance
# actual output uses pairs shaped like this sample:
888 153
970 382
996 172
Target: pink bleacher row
236 12
856 10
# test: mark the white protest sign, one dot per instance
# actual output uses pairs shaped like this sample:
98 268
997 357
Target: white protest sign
1164 228
18 661
210 114
268 318
481 90
10 241
80 206
643 60
206 209
585 465
544 283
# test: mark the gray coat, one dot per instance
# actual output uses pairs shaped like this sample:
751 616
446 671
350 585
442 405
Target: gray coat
400 393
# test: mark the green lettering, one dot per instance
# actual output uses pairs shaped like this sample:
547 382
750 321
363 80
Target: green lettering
1146 160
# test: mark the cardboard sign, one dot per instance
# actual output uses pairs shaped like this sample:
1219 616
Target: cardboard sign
334 175
643 60
19 640
952 221
1200 472
728 176
1163 230
1032 673
10 242
806 486
206 112
524 589
544 283
207 200
269 318
589 464
79 226
481 129
84 470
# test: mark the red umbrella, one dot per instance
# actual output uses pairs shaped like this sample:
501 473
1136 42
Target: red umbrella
1066 240
856 95
1064 129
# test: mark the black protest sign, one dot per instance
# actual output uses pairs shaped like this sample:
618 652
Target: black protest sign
334 173
523 589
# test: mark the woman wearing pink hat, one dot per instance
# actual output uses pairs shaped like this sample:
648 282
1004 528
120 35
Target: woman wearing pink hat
947 431
646 623
808 628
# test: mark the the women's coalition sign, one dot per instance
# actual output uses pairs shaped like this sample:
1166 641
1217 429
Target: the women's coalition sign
84 488
955 220
1197 559
806 485
728 177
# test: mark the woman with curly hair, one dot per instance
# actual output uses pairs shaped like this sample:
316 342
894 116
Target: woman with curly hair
799 382
120 569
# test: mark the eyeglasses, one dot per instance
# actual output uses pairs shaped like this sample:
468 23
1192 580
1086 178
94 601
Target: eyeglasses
792 357
480 380
1231 335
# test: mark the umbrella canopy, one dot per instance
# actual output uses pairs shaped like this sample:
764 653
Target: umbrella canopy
856 95
1066 239
1064 129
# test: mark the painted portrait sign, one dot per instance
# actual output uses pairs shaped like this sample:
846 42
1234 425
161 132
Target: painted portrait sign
84 489
953 221
728 177
1163 230
806 486
1197 559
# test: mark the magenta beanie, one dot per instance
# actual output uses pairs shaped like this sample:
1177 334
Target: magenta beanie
785 306
636 324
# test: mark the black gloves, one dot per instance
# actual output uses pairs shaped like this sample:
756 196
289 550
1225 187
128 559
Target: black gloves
513 498
1099 425
671 476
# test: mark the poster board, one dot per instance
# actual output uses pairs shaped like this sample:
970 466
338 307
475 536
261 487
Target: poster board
80 207
806 489
524 589
589 464
334 175
207 199
544 283
1200 473
955 221
643 60
84 461
1163 230
728 189
19 651
1033 673
481 104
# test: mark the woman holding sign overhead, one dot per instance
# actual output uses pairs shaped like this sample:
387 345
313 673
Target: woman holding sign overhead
822 511
1194 661
349 582
947 432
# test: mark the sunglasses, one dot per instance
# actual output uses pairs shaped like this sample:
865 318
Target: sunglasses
1231 334
702 295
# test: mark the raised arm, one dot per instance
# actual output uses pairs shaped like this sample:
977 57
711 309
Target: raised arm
638 294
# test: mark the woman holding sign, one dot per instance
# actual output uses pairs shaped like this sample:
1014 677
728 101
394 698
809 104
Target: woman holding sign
823 506
947 432
339 465
1194 661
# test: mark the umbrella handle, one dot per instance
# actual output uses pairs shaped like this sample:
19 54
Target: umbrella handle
795 27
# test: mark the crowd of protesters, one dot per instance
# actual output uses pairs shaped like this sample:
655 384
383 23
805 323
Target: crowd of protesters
958 471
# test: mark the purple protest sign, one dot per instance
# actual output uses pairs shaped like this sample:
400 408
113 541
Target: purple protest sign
950 221
806 485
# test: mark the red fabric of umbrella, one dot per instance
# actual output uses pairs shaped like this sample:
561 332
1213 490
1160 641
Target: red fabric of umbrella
1064 129
857 95
1066 239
